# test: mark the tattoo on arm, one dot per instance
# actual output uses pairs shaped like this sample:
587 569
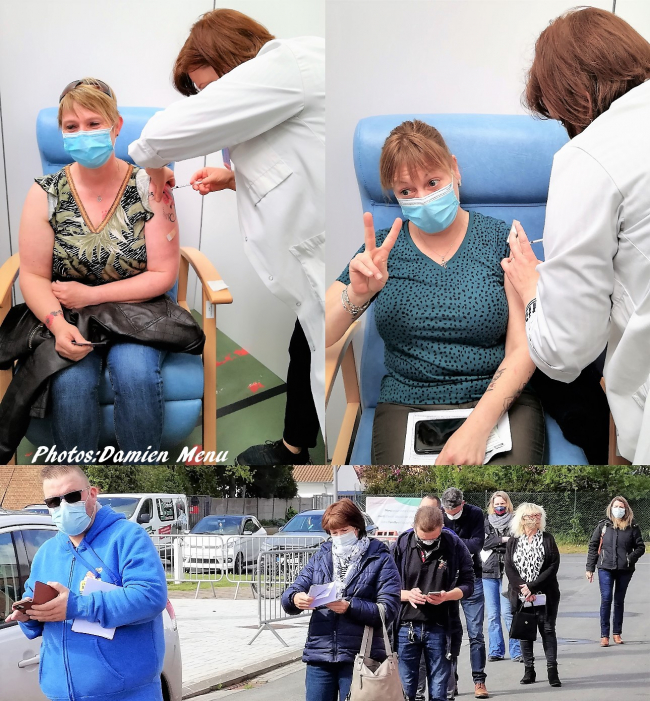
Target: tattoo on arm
50 317
509 401
497 375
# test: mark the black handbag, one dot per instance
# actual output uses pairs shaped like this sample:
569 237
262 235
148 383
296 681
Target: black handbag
524 625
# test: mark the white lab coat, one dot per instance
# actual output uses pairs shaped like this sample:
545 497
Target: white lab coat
594 286
270 113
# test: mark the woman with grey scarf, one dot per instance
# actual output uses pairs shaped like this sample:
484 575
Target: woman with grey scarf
497 534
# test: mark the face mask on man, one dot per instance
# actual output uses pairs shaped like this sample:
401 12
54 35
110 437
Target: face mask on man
455 517
499 510
433 213
71 519
91 149
618 512
345 540
429 544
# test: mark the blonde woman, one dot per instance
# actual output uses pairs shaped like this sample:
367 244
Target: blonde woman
531 564
615 546
497 534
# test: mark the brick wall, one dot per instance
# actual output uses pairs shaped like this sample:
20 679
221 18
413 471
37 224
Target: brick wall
20 486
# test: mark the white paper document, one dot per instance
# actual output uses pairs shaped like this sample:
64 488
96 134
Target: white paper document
499 440
88 627
324 593
540 600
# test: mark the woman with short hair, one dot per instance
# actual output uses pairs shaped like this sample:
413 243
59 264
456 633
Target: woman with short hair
497 535
366 576
615 546
532 561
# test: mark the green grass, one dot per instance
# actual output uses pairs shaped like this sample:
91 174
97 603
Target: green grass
191 586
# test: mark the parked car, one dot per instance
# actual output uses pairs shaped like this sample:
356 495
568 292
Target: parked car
21 535
223 544
37 508
159 514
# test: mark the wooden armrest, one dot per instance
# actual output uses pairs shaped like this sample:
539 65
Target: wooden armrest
8 275
334 357
206 273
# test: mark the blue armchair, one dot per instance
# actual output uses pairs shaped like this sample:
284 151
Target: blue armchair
189 384
505 162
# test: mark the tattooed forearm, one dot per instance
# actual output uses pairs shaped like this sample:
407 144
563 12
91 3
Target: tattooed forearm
497 375
50 317
509 401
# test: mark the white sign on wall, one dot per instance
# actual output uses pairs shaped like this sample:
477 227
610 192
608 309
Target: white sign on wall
392 513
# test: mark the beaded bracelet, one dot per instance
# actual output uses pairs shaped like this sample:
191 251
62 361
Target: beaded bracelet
351 308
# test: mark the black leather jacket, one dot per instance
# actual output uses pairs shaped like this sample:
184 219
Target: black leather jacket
620 550
158 322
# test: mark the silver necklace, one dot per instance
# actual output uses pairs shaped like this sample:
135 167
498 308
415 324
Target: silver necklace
443 261
117 163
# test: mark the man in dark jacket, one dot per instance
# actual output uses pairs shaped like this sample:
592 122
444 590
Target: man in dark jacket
436 571
466 521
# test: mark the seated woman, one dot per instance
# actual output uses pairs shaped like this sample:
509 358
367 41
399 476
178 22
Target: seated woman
453 329
92 233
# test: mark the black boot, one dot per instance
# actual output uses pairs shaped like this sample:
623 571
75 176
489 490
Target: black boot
553 678
529 675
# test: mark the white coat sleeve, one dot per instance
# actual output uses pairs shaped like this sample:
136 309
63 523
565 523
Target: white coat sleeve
567 325
251 99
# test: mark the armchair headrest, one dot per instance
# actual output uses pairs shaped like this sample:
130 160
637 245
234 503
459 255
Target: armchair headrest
50 141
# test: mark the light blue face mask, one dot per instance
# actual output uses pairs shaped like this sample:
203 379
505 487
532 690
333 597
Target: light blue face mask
91 149
71 519
433 213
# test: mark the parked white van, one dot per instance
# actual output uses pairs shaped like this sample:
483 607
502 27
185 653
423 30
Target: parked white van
158 514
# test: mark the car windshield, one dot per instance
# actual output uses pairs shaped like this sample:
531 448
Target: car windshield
222 525
123 505
305 523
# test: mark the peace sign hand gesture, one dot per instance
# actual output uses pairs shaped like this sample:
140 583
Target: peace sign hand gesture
369 269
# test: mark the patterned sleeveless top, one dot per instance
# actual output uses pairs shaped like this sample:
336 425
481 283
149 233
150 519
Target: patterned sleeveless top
116 249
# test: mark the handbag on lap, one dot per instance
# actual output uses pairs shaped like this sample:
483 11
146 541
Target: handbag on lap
372 680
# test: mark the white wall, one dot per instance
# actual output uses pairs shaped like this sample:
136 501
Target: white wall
390 56
44 44
310 489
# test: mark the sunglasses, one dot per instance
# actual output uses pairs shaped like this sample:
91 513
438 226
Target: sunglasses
69 498
101 85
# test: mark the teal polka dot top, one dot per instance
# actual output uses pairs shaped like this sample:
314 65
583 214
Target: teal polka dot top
444 329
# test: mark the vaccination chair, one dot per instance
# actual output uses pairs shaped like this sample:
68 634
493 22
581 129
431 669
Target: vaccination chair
505 162
189 382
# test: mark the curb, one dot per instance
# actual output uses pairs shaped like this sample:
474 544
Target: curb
237 675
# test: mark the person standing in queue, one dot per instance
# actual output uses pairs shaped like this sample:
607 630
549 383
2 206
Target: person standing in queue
615 546
466 521
264 99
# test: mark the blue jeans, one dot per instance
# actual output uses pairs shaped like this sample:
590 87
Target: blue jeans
134 371
328 681
613 586
474 609
432 639
497 605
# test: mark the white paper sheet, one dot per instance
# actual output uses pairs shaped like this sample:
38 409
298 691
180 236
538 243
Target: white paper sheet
324 593
217 285
81 626
499 440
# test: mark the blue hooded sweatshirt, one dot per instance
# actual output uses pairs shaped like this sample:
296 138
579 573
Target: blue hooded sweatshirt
76 666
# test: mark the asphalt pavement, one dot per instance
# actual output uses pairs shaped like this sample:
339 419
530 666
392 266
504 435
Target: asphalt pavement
588 672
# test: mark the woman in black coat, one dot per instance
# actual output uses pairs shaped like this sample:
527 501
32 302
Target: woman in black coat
615 546
531 563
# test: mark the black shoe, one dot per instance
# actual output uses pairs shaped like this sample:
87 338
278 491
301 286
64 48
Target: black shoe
272 453
529 675
553 678
495 658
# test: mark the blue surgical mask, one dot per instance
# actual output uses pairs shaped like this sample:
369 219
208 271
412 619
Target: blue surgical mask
91 149
618 512
71 519
433 213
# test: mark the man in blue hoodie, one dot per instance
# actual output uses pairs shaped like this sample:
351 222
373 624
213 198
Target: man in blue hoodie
95 542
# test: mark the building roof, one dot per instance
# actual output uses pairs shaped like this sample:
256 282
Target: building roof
313 473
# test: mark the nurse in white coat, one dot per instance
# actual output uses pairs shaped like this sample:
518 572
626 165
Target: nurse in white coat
593 289
264 100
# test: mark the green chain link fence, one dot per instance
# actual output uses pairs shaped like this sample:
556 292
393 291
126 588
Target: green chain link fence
571 516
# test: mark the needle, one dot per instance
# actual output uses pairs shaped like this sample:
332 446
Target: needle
178 186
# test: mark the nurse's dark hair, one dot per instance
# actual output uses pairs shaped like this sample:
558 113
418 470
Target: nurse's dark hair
415 145
221 39
55 471
343 513
584 60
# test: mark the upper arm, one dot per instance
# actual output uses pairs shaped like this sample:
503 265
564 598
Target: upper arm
161 236
36 236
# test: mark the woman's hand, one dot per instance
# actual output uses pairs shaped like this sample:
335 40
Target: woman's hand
525 591
303 601
416 597
64 335
465 447
437 599
74 295
160 176
338 606
369 270
208 180
521 266
589 576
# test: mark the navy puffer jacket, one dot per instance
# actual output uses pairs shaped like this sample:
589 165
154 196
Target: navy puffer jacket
335 637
